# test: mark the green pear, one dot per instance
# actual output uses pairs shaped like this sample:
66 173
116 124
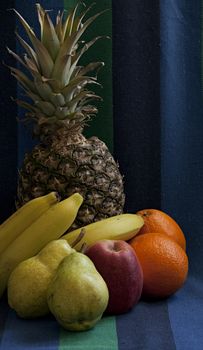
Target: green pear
28 282
77 295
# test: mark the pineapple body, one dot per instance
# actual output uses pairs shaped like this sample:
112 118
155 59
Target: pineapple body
79 165
58 106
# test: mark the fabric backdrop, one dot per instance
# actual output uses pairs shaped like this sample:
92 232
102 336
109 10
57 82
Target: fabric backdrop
151 119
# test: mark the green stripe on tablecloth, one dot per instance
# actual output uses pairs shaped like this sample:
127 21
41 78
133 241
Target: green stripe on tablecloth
102 124
102 336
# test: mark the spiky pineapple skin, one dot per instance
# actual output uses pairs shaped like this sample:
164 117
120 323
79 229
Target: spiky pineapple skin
84 166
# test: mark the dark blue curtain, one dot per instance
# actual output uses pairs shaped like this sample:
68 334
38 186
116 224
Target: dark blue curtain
182 119
136 87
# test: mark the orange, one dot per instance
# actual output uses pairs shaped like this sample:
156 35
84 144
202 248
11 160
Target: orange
157 221
164 264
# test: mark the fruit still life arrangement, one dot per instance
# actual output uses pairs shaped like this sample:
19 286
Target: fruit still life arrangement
69 249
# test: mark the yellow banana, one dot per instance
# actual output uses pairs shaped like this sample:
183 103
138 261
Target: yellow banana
23 218
123 226
49 226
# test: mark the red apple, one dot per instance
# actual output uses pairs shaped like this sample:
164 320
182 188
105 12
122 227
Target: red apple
119 266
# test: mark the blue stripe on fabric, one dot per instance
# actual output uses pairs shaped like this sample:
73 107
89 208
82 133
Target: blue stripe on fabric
185 312
182 155
146 327
182 116
22 334
136 100
28 10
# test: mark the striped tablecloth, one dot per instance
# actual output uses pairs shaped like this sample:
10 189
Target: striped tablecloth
173 324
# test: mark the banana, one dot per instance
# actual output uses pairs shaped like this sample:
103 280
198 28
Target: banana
23 218
123 226
49 226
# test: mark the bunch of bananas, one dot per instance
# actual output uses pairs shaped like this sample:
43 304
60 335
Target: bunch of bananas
31 227
45 219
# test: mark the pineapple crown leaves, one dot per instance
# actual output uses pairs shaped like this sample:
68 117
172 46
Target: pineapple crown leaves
55 82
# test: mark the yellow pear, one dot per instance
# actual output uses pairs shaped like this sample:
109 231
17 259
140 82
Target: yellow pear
28 283
77 295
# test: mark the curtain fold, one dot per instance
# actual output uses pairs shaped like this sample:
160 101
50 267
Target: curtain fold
181 119
136 91
182 153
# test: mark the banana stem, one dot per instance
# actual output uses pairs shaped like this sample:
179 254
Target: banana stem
78 238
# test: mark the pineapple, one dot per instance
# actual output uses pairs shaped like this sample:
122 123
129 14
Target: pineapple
59 107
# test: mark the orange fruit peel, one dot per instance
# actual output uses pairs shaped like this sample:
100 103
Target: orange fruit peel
164 264
158 221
